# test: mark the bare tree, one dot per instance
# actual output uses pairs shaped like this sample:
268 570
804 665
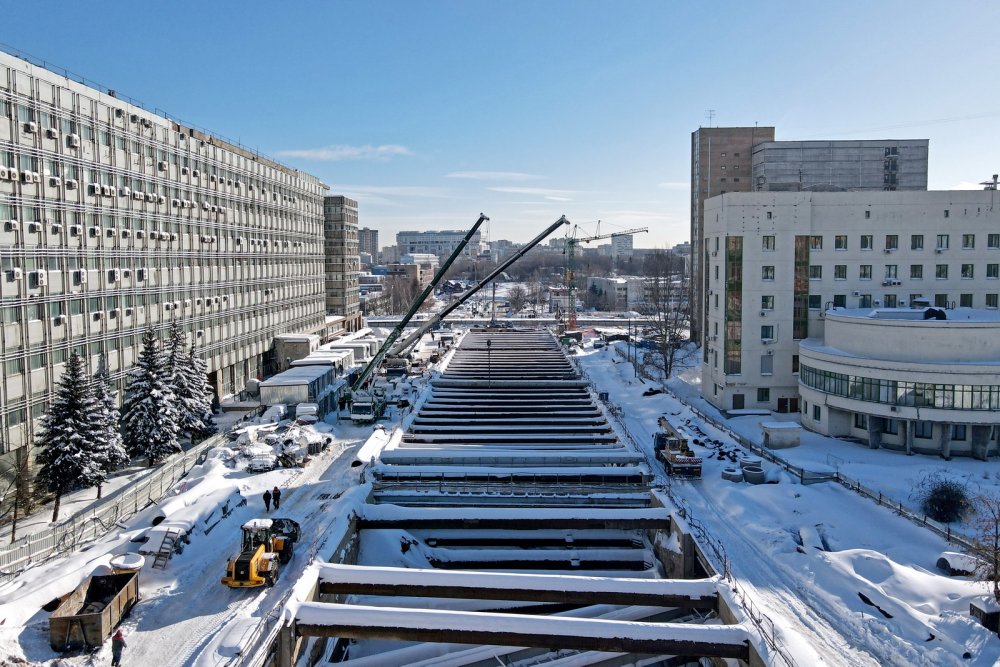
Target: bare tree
986 540
664 310
517 296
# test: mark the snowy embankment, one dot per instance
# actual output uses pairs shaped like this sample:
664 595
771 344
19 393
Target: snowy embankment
186 616
843 580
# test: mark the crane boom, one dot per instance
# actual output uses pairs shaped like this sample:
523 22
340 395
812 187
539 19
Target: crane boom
395 333
462 298
571 244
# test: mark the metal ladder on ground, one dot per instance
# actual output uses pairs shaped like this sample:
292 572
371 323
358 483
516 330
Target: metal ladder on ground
166 548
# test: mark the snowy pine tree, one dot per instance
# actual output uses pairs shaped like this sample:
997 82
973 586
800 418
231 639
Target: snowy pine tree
109 450
149 413
66 458
200 395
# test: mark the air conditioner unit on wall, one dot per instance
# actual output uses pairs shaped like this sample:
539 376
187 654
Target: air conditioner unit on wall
52 133
12 226
763 313
73 140
14 274
857 293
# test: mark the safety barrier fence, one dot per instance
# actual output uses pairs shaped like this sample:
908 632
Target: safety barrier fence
100 519
703 538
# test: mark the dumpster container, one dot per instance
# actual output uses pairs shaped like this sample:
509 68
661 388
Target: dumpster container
86 618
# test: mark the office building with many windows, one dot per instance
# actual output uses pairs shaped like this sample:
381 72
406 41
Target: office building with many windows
778 262
340 229
114 219
368 242
440 243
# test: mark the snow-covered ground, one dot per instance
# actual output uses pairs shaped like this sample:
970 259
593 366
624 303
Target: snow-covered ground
819 560
186 616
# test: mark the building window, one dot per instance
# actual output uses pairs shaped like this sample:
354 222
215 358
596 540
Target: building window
942 242
891 241
891 271
767 273
868 215
767 302
947 213
815 301
766 365
968 241
993 241
991 301
940 300
860 420
941 271
993 271
889 300
795 363
840 301
958 431
816 413
866 242
840 272
865 271
815 272
763 395
865 301
965 300
840 242
916 271
769 216
923 429
767 243
815 242
891 427
917 242
767 332
968 272
738 402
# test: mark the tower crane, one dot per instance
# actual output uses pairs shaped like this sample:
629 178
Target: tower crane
571 243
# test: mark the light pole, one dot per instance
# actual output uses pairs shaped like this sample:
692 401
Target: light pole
489 363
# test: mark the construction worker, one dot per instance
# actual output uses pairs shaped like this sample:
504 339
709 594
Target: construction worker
267 500
276 496
117 646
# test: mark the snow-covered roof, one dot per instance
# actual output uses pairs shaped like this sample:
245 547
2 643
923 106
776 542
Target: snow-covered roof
296 375
258 524
297 338
917 314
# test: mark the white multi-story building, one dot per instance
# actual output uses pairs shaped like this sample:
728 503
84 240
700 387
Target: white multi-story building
441 243
905 379
778 261
114 219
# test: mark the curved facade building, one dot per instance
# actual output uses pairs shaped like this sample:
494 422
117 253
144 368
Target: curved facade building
893 379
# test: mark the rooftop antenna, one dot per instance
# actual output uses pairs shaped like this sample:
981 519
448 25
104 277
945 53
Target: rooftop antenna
710 114
990 185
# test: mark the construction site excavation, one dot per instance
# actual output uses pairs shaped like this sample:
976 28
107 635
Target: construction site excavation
505 522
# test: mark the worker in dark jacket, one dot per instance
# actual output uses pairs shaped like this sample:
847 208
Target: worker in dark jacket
117 646
267 501
276 495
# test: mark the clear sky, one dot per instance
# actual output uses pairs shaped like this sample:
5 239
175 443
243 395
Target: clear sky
430 112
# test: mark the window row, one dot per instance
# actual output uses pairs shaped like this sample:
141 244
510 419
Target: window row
867 242
895 392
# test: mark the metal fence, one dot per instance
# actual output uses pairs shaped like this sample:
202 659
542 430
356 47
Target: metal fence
703 539
98 521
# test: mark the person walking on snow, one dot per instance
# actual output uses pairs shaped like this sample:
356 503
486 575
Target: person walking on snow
267 501
276 495
117 646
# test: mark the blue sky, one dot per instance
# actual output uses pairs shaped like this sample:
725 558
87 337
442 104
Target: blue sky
430 112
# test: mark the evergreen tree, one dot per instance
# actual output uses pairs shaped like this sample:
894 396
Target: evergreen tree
109 450
66 460
149 413
201 392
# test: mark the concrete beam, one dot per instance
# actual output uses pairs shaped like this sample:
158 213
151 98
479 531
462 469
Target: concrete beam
672 639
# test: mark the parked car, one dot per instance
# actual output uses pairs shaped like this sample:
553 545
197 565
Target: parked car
262 463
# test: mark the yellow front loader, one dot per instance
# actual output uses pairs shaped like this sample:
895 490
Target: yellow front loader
267 543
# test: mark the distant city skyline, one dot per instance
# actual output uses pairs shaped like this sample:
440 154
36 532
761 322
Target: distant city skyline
431 113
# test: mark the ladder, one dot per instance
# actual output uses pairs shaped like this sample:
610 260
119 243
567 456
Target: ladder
166 548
